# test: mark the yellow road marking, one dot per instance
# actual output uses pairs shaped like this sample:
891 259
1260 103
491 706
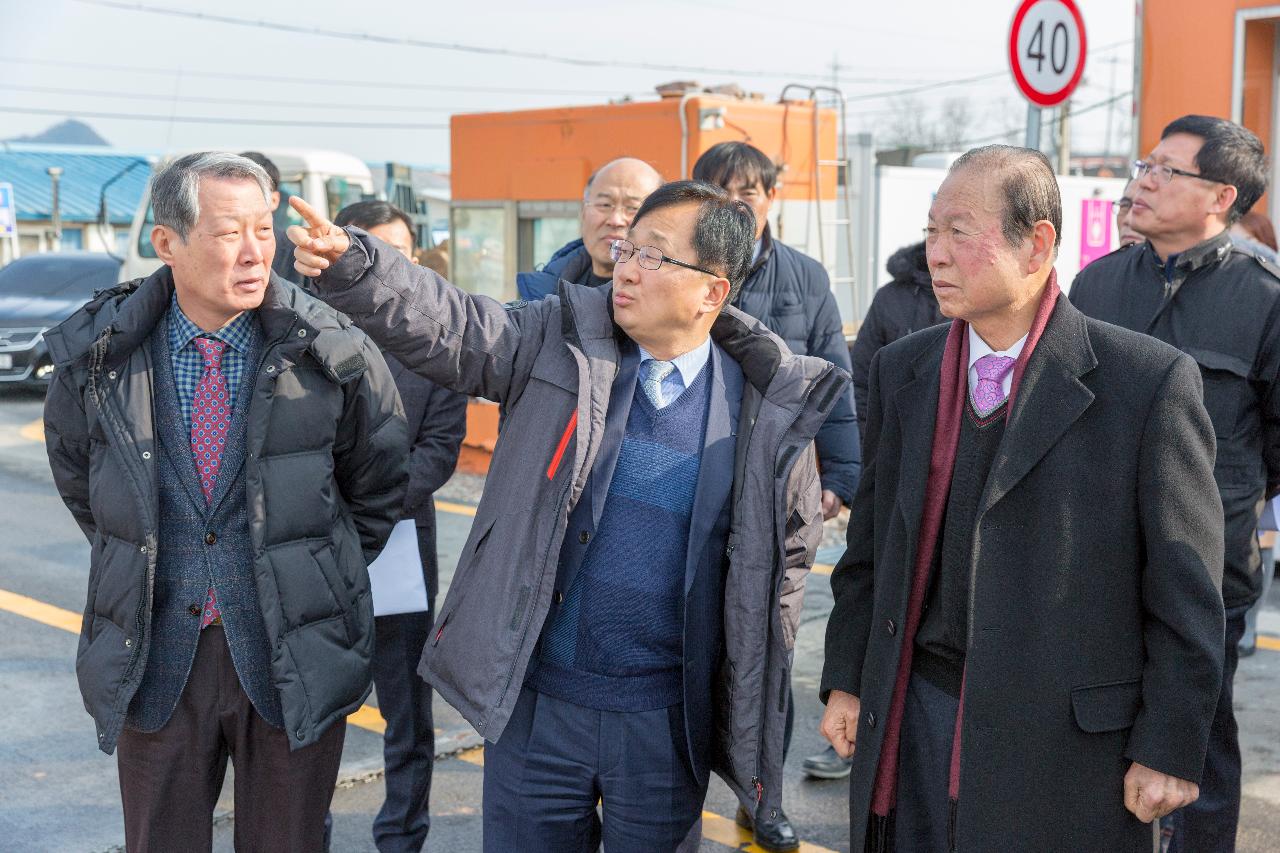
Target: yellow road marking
719 829
456 509
366 717
1265 641
33 431
823 568
47 614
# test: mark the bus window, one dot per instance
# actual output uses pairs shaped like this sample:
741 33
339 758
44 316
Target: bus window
478 252
340 193
286 215
145 249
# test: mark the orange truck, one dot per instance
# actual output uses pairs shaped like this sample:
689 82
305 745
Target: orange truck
518 178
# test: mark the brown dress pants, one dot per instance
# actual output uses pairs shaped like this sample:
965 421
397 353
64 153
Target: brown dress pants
170 779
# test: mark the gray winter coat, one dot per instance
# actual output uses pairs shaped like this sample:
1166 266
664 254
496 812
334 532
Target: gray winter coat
551 365
324 473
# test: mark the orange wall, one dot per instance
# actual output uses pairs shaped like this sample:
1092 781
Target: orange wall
1187 58
547 155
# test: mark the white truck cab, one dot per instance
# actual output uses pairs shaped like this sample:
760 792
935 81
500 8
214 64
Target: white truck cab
327 180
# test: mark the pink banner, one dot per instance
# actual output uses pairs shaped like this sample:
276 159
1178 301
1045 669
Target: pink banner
1095 230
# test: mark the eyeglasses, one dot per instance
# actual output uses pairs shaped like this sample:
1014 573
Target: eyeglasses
648 257
1164 174
1124 204
606 208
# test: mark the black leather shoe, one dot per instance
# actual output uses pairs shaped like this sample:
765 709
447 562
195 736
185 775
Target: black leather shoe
775 835
827 765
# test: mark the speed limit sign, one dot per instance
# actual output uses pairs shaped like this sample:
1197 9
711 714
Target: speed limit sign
1047 50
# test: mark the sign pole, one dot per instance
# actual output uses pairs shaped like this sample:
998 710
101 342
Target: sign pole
1033 126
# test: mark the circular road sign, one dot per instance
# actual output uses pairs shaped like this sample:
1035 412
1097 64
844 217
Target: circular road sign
1047 50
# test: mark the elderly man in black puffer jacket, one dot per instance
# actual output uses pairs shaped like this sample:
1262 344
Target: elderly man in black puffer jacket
235 452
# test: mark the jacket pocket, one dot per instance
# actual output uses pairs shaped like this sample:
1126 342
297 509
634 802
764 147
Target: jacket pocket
1226 384
1106 707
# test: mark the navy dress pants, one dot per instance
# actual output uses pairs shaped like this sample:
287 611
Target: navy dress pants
556 760
409 743
924 769
1209 824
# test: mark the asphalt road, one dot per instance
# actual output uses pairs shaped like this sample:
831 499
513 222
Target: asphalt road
59 793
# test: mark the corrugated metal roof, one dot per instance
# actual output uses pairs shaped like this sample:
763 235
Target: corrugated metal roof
83 175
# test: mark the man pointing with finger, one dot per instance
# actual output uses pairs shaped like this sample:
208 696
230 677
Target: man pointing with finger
1025 649
622 616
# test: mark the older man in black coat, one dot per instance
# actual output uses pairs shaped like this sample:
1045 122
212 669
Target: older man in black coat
1026 643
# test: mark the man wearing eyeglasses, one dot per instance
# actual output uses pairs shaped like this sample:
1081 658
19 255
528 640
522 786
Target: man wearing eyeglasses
623 614
1189 286
1124 216
613 194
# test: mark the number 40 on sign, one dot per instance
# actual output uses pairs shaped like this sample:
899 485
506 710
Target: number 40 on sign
1047 50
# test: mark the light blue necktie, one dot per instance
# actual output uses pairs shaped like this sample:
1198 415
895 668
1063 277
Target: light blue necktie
652 373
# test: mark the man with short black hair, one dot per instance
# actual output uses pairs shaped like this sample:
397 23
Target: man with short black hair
613 194
791 294
1025 648
622 617
1189 286
437 420
282 262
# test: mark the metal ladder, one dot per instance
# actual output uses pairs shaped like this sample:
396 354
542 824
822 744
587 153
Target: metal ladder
845 221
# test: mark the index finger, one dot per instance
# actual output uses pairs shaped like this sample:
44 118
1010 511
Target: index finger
308 213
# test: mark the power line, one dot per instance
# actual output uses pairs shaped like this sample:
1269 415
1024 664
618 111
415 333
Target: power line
271 78
519 54
272 122
405 41
199 99
1096 105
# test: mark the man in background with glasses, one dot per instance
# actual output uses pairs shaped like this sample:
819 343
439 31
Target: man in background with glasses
1124 216
1189 286
622 618
613 194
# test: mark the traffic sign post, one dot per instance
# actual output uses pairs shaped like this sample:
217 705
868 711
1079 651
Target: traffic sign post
8 224
1047 49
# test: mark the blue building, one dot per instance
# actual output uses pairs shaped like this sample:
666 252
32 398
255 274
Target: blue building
86 170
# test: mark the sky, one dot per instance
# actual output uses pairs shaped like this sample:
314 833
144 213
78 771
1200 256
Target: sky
380 79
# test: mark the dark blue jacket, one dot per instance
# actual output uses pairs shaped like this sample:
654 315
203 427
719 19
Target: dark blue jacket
571 263
791 294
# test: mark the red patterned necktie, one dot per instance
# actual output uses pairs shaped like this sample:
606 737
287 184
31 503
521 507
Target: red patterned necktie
210 420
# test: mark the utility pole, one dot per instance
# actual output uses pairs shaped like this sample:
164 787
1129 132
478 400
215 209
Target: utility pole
55 174
1111 107
1064 138
1033 126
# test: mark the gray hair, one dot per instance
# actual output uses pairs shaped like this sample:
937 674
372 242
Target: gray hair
1028 185
175 190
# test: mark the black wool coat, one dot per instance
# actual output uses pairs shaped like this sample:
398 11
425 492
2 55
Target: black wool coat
1095 613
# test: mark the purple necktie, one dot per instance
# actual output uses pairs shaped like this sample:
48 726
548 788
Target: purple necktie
210 420
989 394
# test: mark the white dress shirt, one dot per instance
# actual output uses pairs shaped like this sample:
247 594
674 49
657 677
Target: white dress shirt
688 366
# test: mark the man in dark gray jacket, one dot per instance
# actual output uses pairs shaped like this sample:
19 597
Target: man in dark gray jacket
1189 286
235 452
623 613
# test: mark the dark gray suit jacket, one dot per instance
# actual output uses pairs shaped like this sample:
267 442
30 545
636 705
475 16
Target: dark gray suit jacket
1095 617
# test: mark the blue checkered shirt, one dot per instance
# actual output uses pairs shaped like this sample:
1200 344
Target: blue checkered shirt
188 363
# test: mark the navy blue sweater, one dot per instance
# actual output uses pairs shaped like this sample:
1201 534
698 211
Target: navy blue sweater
615 642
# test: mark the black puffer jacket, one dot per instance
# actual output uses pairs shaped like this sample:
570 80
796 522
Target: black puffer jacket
324 473
904 305
791 294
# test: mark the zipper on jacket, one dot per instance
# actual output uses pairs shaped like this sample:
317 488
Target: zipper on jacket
562 446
